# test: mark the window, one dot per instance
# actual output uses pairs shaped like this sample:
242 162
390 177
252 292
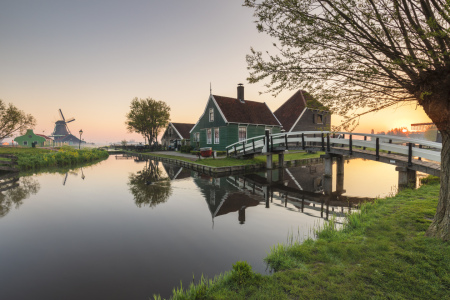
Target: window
319 119
211 114
25 143
197 137
208 136
216 135
242 133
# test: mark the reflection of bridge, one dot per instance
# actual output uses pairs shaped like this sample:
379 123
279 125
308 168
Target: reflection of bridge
409 155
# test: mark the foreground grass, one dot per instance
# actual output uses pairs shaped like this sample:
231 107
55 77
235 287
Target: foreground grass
381 253
33 158
230 162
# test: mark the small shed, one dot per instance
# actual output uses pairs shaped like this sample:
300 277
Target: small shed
30 139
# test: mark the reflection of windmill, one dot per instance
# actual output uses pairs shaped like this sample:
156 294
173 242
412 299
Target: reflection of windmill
61 128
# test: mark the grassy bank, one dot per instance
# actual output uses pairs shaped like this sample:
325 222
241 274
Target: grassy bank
33 158
381 253
230 162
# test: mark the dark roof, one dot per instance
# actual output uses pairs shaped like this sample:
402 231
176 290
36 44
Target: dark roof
289 112
183 129
249 112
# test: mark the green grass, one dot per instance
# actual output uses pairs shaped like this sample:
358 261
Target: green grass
381 253
33 158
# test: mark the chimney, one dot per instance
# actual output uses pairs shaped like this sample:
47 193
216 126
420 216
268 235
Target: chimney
240 92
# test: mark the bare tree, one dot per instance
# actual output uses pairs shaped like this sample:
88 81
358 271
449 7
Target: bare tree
360 56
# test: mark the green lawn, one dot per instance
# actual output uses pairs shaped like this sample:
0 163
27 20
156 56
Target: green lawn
381 253
229 162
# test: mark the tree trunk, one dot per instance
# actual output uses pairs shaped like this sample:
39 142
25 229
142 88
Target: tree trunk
440 227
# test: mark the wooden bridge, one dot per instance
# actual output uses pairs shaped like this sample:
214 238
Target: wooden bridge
409 155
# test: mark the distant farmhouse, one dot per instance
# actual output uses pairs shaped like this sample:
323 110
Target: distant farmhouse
426 131
228 120
303 113
30 139
175 133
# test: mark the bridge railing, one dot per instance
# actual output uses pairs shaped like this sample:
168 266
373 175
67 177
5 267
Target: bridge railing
326 139
251 145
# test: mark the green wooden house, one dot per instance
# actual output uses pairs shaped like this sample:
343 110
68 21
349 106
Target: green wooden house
228 120
30 138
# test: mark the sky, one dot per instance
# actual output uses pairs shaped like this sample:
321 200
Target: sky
90 58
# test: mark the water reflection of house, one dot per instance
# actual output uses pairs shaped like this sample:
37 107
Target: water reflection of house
224 197
307 178
176 172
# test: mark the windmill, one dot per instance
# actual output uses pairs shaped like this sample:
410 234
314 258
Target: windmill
61 129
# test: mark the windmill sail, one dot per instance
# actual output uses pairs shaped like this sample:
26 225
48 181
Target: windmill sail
61 133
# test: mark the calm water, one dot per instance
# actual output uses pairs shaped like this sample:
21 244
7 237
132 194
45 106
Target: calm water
126 230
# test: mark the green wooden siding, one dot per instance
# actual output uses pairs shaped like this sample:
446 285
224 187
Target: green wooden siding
29 138
228 133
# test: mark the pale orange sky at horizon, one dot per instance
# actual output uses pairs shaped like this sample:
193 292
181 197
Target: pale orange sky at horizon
90 59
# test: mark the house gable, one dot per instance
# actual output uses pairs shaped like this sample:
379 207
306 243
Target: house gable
204 122
29 138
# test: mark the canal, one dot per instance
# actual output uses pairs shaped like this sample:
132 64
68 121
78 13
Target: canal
127 229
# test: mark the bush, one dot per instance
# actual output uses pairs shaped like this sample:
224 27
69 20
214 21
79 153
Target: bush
186 149
241 273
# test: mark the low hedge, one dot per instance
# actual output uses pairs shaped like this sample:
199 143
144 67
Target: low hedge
65 156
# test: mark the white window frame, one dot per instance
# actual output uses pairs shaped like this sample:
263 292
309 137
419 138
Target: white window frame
239 133
216 140
197 137
208 136
211 114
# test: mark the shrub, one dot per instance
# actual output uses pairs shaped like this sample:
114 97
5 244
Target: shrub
241 273
186 149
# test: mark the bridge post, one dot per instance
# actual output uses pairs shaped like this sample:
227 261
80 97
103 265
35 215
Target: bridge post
241 215
409 154
303 141
328 143
266 196
350 145
269 162
340 163
280 160
406 177
328 176
420 146
377 149
266 141
323 142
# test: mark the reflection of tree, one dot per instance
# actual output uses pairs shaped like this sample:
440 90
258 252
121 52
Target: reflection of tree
148 186
14 196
